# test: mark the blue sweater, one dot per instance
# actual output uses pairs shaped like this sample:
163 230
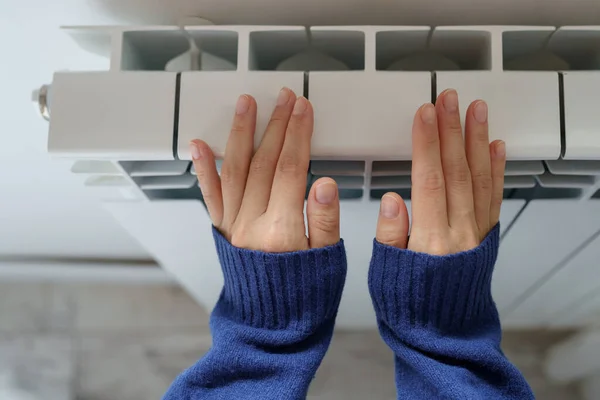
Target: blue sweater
274 321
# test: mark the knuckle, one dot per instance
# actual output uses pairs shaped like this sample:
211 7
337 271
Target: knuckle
458 172
261 163
431 244
433 181
431 137
454 127
481 139
239 235
273 243
228 175
483 181
238 127
465 239
277 120
325 222
201 174
439 249
289 164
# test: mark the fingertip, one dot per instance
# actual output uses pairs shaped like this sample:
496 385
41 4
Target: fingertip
199 150
427 113
392 224
300 106
323 213
392 205
498 149
479 111
325 191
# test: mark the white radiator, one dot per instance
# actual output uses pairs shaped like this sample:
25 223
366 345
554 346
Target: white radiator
128 131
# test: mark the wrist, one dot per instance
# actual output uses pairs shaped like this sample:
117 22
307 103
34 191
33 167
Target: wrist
447 293
294 290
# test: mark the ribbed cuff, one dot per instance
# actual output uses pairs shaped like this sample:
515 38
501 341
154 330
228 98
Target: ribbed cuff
295 290
447 293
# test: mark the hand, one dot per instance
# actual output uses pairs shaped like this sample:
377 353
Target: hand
258 201
456 184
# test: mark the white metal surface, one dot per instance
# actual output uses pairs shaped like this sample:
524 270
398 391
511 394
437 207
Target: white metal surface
529 132
121 116
582 120
546 232
366 114
569 167
156 168
566 286
207 104
178 235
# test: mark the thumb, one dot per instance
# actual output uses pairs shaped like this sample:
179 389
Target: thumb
323 213
392 225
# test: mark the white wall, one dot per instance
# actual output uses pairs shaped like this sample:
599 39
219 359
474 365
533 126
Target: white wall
44 210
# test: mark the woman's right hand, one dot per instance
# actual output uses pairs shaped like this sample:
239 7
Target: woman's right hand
457 184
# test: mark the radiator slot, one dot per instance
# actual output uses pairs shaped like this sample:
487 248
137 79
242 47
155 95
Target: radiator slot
549 180
166 182
152 50
376 194
442 50
391 168
575 167
155 168
95 167
516 168
340 168
568 48
350 194
192 193
391 182
295 50
519 182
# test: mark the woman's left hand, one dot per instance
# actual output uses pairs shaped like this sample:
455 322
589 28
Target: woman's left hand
258 201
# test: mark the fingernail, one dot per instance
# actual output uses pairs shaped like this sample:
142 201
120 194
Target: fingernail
325 192
451 100
196 153
428 113
282 98
243 104
300 106
481 112
389 207
501 149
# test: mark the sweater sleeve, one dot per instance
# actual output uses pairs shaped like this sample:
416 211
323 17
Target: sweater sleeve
437 314
271 326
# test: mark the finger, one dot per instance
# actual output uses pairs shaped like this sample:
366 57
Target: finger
392 224
289 182
262 167
428 187
208 178
238 153
459 192
323 213
478 156
498 156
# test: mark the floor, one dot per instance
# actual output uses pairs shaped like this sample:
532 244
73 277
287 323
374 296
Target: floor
115 342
